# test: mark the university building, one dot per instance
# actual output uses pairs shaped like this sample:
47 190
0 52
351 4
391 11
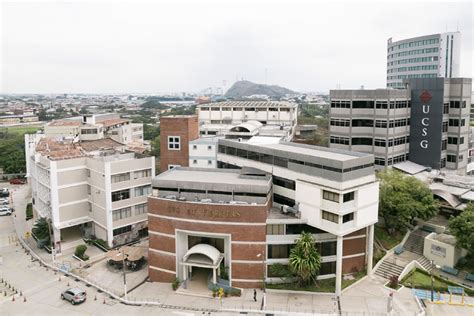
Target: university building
426 123
89 187
428 56
247 214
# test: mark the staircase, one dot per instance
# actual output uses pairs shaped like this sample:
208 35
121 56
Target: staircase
415 242
388 269
425 263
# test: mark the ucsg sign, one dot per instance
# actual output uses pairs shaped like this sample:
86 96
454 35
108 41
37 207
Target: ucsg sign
426 122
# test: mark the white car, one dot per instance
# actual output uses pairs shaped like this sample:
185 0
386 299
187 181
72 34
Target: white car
5 212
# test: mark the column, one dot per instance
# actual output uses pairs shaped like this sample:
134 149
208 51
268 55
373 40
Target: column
339 265
214 278
370 252
185 273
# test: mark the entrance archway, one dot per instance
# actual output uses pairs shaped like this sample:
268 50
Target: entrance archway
202 256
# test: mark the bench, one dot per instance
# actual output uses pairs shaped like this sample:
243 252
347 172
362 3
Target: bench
470 277
450 270
398 250
428 229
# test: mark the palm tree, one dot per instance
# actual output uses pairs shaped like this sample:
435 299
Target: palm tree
41 230
304 260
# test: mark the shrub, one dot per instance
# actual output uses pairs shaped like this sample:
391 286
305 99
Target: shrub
81 252
29 211
393 283
175 284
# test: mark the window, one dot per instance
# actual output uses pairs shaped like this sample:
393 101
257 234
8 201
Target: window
209 162
328 248
362 141
451 158
209 147
348 217
330 216
444 144
276 229
141 209
145 173
454 104
296 229
460 158
280 199
446 108
339 140
122 230
121 213
289 184
120 195
88 173
173 166
120 177
195 147
278 251
143 190
174 142
327 268
330 196
362 104
89 131
195 162
445 127
452 140
89 189
349 196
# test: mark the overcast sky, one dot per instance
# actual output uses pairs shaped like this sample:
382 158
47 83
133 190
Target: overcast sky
53 47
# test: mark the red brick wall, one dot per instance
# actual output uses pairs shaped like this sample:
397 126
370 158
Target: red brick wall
187 128
352 247
176 211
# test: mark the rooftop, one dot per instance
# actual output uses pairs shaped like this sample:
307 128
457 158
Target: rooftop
249 103
214 176
57 149
112 122
65 123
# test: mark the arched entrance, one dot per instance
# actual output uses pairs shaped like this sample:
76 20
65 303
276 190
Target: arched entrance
202 256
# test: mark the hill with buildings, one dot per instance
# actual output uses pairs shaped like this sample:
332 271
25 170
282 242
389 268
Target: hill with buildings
245 88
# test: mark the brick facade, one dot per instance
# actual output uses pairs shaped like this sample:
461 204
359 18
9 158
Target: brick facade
246 224
187 128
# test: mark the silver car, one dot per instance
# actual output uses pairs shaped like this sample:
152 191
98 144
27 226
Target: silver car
74 295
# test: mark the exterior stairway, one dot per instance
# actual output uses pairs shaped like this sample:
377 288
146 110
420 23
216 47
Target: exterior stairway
415 242
425 263
388 269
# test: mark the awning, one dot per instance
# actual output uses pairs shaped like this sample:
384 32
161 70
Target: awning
203 254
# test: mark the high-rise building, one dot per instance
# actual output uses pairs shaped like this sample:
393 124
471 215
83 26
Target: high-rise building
428 56
426 123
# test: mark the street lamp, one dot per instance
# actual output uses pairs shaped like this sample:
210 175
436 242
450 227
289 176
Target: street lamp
431 272
124 274
262 254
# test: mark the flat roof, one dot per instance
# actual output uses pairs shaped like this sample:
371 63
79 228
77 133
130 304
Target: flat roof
249 103
214 176
323 152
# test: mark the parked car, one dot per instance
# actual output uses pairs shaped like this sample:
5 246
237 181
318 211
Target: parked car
4 192
17 181
5 212
4 201
74 295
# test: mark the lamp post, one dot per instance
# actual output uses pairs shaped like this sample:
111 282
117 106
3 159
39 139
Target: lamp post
432 287
262 254
124 274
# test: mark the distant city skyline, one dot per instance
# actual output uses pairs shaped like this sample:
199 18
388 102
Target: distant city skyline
166 47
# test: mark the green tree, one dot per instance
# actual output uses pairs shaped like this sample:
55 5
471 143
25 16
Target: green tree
304 260
462 226
402 199
155 146
41 230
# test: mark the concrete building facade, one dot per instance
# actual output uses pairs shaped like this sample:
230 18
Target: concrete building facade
426 123
92 188
429 56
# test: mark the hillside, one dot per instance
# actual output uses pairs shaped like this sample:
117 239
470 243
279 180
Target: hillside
246 88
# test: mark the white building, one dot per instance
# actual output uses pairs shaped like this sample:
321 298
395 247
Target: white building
428 56
333 192
202 152
87 188
277 118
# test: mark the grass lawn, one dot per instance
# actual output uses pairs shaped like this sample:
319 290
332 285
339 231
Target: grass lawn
388 241
422 280
357 276
327 285
20 129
